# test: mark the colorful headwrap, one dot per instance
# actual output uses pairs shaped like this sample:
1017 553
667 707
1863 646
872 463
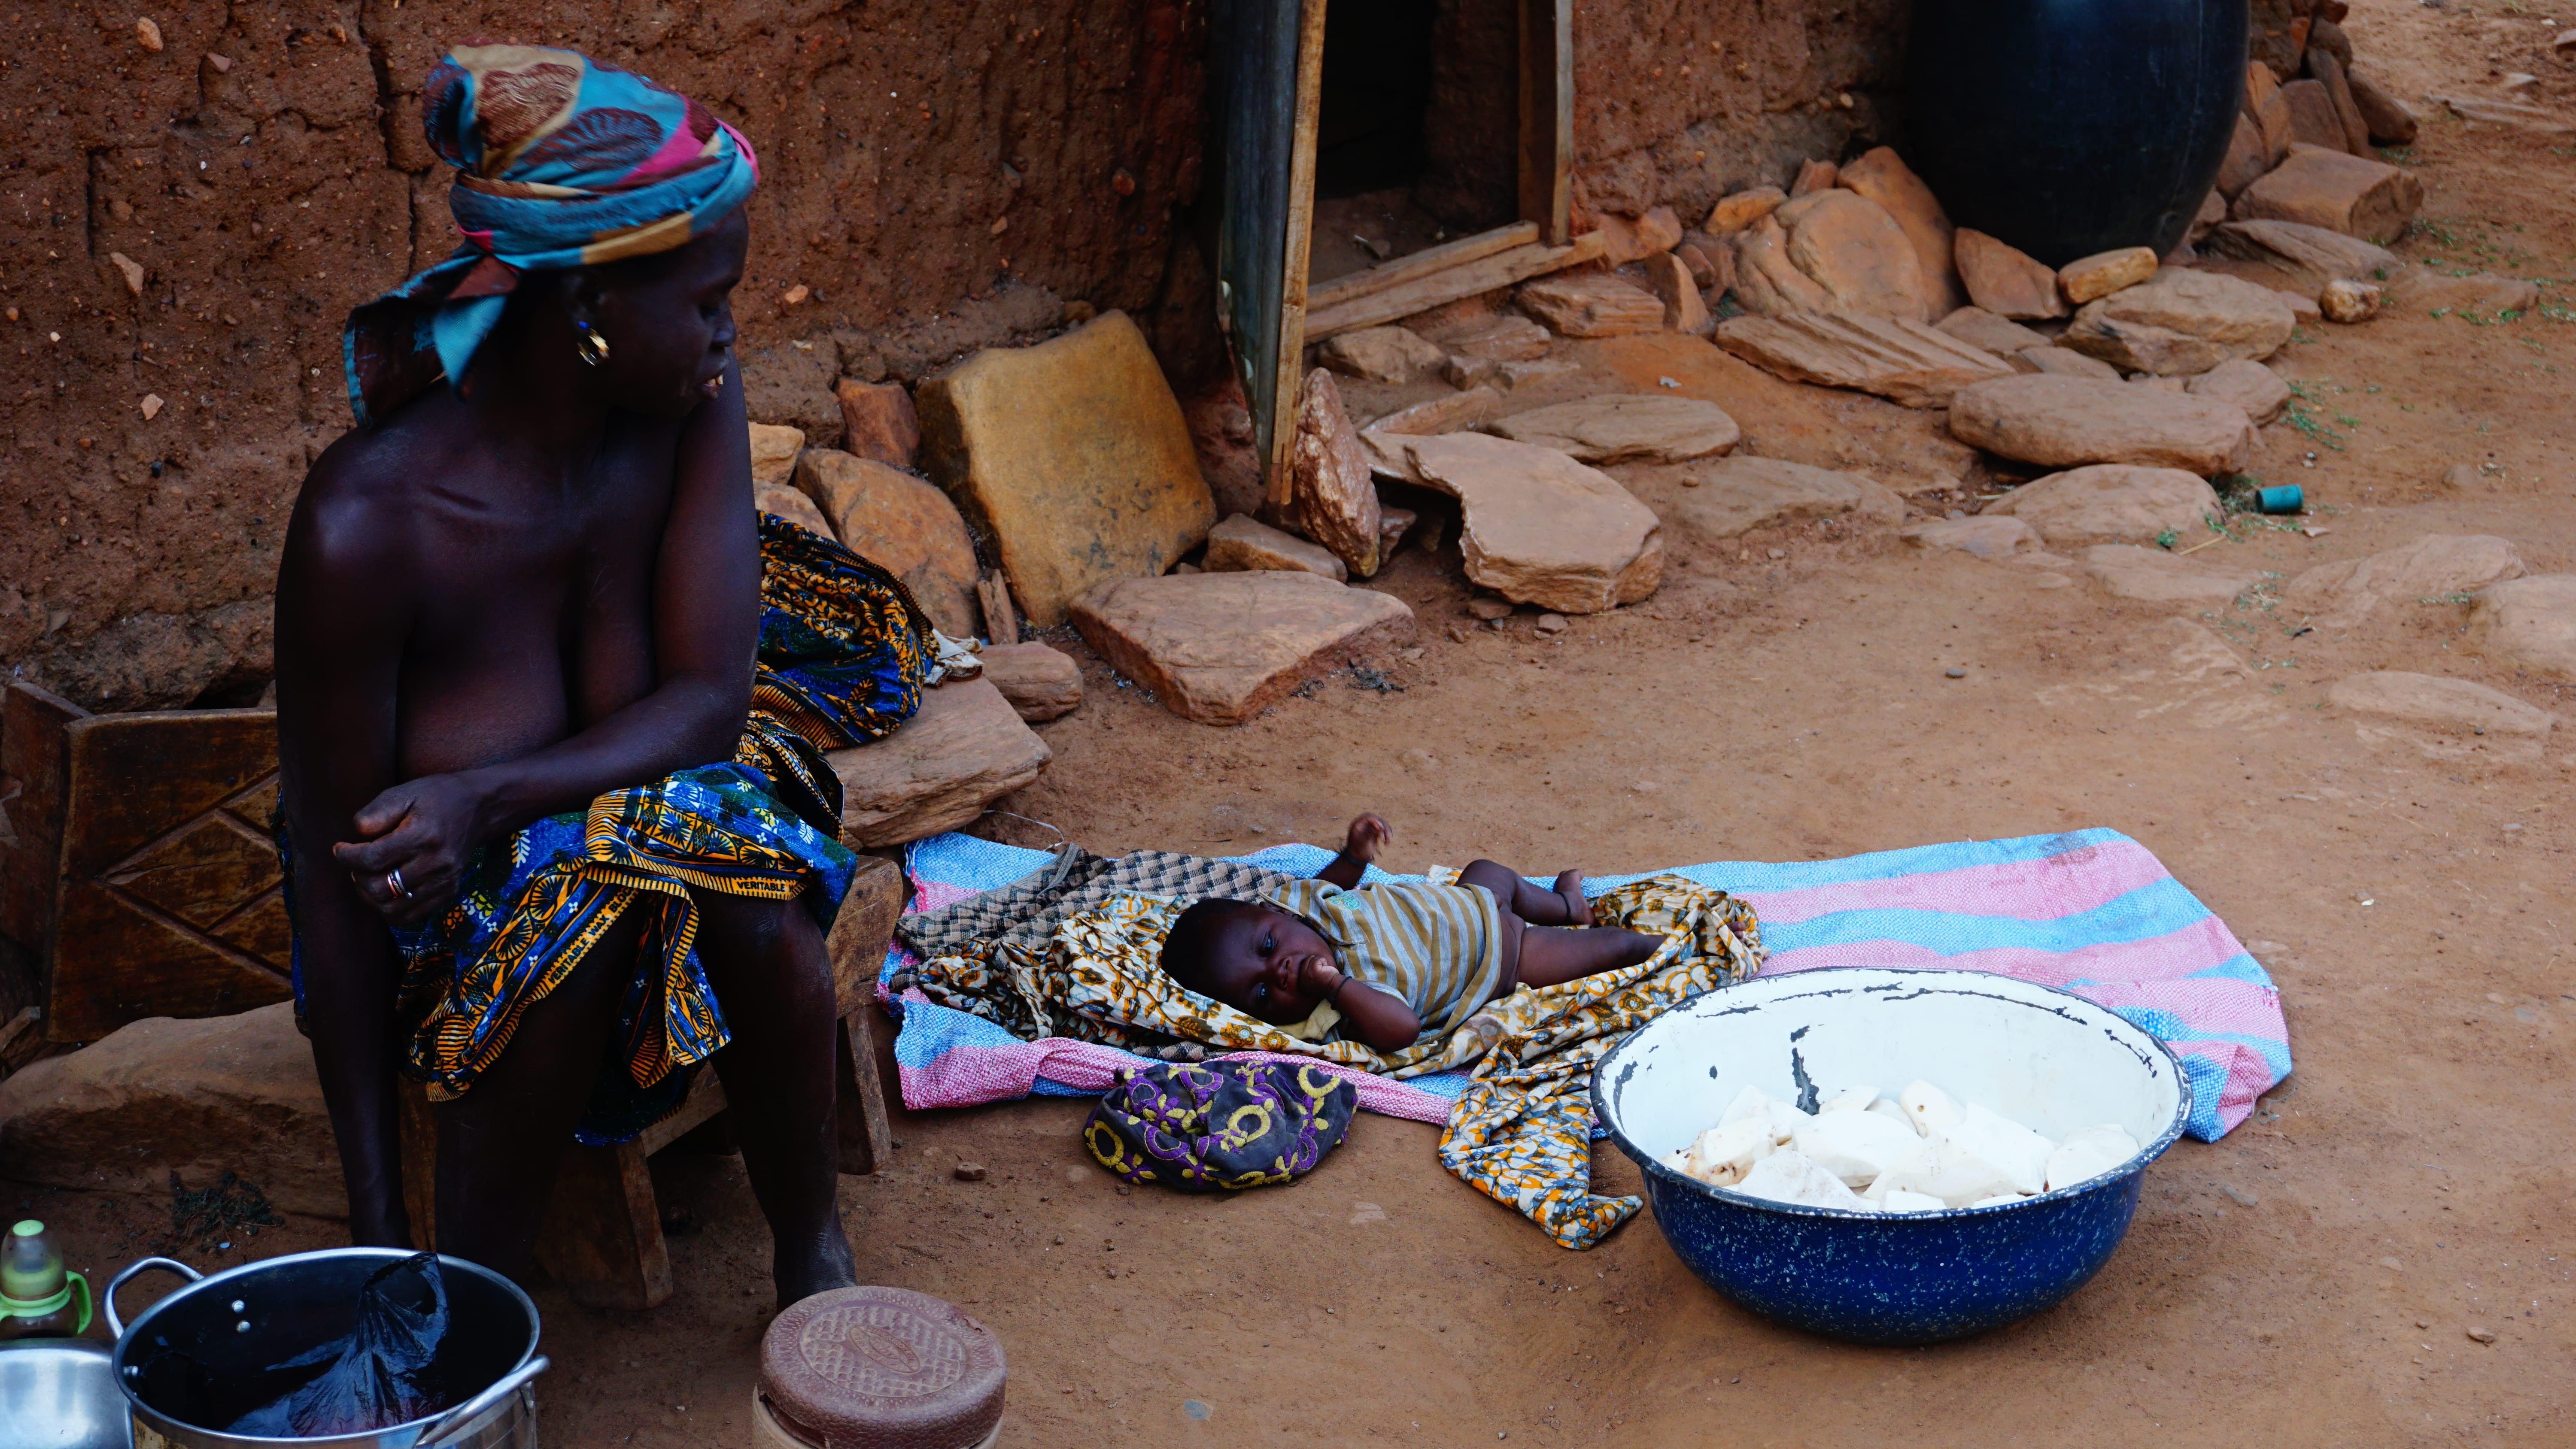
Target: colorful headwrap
561 162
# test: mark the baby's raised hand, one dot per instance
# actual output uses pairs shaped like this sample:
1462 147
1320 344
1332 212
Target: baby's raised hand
1367 833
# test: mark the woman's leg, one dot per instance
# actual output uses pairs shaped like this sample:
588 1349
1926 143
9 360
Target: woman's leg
773 980
500 1143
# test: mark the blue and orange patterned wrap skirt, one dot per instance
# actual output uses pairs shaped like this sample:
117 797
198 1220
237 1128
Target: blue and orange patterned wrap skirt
842 659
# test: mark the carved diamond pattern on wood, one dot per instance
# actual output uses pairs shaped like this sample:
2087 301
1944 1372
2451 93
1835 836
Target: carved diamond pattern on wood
168 899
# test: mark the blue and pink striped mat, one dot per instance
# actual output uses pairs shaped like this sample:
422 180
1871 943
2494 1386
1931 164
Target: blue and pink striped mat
2089 911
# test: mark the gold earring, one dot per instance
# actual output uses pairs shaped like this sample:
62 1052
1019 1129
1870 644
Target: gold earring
591 347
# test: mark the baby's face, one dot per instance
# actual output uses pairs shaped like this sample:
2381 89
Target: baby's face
1262 964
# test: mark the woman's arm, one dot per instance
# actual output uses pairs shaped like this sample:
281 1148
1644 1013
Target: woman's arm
706 630
343 607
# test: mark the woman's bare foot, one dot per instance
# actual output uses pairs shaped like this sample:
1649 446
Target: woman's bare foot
1570 887
800 1270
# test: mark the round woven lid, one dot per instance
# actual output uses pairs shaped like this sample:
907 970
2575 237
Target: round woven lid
882 1368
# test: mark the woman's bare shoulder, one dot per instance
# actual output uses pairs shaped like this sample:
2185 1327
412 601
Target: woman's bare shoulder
355 512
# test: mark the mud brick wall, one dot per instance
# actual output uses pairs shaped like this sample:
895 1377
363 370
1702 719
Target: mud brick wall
937 176
262 172
1673 104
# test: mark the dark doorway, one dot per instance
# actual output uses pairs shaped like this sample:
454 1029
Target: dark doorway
1376 86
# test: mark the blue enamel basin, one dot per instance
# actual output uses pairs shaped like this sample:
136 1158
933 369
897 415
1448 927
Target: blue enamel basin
2040 1056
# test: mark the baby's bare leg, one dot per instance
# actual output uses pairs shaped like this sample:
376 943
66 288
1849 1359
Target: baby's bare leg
1563 906
1554 955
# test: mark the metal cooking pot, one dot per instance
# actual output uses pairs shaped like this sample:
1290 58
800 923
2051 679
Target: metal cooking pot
58 1393
237 1323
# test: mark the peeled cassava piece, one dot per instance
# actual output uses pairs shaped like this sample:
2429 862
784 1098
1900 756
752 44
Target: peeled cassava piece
1854 1146
1922 1150
1753 1101
1938 1167
1849 1099
1792 1177
1724 1153
2021 1153
1929 1106
2089 1153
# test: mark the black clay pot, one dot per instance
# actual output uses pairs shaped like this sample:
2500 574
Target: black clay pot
2068 127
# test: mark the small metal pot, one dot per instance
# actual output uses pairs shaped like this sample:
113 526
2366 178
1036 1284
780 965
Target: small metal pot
58 1393
239 1322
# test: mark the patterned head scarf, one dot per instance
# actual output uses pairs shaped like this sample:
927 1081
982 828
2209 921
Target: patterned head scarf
561 162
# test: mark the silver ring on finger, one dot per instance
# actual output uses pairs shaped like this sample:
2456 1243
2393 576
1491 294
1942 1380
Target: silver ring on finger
393 882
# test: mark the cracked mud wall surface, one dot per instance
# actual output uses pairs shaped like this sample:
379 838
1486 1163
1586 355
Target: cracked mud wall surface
1673 104
938 176
1681 104
264 172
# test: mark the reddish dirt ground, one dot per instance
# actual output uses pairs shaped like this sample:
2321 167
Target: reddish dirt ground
2308 1280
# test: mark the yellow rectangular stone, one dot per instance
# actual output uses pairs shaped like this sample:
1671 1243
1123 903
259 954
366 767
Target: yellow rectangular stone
1072 457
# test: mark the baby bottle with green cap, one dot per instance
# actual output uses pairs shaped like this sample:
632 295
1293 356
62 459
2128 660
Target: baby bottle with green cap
38 1299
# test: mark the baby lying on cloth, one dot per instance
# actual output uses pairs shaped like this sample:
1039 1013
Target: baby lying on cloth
1393 963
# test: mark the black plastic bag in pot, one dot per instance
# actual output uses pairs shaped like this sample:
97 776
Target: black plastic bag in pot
371 1377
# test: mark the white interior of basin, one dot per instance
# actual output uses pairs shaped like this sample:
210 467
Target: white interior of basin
2039 1057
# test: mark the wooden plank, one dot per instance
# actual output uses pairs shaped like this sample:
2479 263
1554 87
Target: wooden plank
864 1131
1546 143
1500 270
602 1238
32 772
1421 264
706 1098
165 895
1301 236
1253 81
1001 621
860 935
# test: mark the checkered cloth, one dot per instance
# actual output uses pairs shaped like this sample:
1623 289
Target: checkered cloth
1026 913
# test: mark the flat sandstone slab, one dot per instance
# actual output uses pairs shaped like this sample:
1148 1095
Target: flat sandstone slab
1624 428
2335 190
901 524
1041 683
1906 362
2343 593
1592 304
1073 456
1245 545
2151 575
2111 503
1538 527
161 1096
964 750
2067 422
1737 495
2530 621
2179 323
1221 648
2430 699
2000 537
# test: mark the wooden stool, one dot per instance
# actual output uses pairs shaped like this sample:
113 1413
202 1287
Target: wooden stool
602 1237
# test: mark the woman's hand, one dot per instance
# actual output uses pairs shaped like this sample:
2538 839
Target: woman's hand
1367 834
414 841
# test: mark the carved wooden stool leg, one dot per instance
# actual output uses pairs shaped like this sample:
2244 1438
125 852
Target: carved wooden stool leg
860 935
